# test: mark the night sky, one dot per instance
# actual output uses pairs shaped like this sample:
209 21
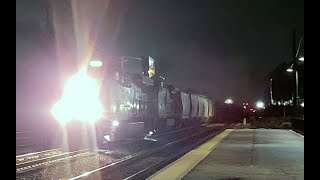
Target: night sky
222 47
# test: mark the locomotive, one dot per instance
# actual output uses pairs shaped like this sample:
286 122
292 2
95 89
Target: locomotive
122 99
133 100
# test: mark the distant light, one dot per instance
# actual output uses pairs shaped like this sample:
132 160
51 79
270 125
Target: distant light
289 70
115 123
301 59
302 104
228 101
260 105
244 107
150 132
95 63
107 137
161 77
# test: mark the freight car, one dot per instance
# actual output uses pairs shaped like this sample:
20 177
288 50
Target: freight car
134 108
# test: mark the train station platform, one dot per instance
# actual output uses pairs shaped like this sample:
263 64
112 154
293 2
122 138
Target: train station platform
242 154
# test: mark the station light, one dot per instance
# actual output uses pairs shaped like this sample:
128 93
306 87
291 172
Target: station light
289 70
228 101
301 59
260 105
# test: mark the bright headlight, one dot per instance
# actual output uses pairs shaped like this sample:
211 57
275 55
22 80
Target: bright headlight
115 123
80 100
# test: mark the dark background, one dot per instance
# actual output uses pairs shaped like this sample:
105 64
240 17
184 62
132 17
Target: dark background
224 48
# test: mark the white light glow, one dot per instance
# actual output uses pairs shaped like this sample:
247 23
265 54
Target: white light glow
107 137
113 108
115 123
302 104
95 63
260 105
289 70
80 100
301 59
228 101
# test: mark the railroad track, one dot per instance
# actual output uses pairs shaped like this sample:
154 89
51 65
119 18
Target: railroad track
41 159
159 161
145 163
37 155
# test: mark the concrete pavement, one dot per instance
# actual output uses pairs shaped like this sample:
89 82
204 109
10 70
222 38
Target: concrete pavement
246 154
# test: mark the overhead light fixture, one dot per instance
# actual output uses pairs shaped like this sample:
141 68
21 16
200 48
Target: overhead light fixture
289 70
301 59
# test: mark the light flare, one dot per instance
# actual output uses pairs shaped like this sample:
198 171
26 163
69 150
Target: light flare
80 100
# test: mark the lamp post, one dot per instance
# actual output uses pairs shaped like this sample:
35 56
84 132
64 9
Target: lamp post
296 89
293 68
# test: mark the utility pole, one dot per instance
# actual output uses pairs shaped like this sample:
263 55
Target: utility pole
295 56
294 52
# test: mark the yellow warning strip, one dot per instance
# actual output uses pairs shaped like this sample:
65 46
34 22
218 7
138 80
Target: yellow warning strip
179 168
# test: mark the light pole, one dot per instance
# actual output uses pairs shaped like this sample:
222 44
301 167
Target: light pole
296 90
270 89
294 69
